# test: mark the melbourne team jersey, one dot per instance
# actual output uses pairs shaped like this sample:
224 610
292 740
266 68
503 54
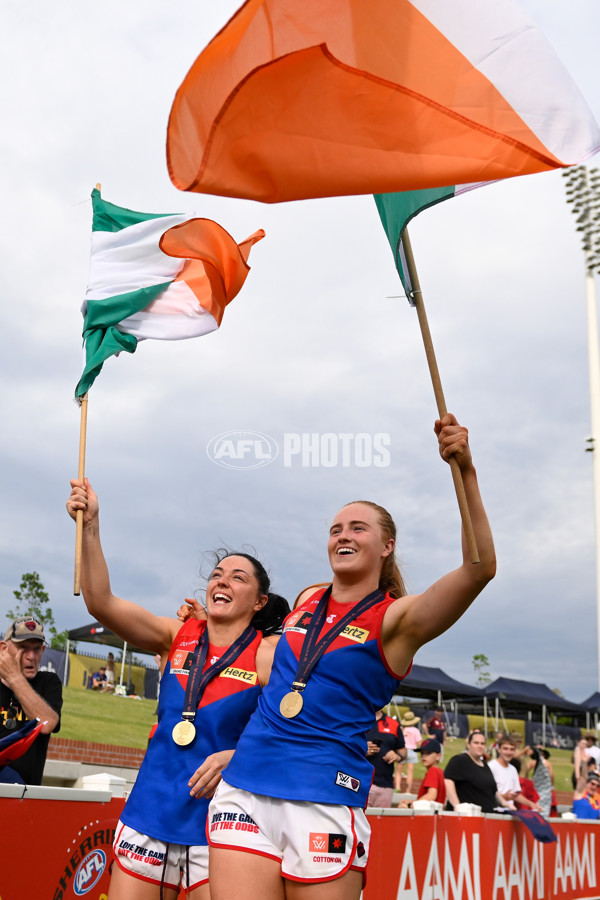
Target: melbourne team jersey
319 755
160 804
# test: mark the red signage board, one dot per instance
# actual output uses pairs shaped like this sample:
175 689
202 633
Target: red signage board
412 857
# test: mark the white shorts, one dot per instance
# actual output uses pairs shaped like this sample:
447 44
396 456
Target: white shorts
411 756
312 841
172 865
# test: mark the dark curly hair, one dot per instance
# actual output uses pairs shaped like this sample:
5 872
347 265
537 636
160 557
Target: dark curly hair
270 618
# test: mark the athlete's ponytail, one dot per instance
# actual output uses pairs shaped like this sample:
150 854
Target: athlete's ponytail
270 618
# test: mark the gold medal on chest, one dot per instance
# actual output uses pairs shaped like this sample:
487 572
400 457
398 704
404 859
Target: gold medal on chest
291 704
184 733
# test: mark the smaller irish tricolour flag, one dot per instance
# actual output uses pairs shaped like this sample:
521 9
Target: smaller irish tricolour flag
167 277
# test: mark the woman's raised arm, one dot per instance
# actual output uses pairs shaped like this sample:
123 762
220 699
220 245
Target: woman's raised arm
412 621
130 621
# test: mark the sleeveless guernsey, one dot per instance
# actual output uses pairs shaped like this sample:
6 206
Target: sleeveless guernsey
160 804
319 755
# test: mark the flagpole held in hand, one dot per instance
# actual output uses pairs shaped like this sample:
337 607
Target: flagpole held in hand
417 299
79 517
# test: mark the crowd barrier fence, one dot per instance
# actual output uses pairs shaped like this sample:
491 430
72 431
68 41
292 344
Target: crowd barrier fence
56 845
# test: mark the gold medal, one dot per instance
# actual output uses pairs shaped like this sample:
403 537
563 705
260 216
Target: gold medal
291 704
184 733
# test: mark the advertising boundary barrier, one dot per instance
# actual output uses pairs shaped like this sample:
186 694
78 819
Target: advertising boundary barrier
413 856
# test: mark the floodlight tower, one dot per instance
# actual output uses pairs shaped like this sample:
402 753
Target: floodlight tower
583 195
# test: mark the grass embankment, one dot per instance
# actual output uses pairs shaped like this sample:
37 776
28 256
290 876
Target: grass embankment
106 719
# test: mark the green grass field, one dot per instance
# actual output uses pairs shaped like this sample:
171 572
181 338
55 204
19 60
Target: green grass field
106 719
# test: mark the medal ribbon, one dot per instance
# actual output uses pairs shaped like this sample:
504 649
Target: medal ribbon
198 680
313 648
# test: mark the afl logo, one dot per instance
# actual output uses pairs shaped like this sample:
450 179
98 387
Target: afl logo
242 450
89 872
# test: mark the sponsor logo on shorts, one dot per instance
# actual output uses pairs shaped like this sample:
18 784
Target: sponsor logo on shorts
360 849
239 675
89 872
352 633
326 843
347 781
226 821
140 854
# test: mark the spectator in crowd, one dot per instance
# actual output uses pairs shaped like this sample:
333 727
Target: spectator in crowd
507 777
98 679
435 727
109 684
583 763
433 786
492 753
545 757
521 751
593 751
586 798
385 748
26 693
539 769
412 739
469 779
528 788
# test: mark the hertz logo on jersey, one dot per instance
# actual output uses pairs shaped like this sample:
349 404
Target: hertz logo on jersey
353 633
239 675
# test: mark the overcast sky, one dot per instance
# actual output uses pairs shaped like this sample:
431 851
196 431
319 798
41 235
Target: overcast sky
313 345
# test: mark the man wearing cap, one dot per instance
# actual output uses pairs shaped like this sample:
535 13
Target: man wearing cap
433 785
26 693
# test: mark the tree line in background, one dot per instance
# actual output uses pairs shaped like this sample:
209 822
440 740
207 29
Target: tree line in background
32 600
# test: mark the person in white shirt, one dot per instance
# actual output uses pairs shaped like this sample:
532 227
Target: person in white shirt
507 777
592 750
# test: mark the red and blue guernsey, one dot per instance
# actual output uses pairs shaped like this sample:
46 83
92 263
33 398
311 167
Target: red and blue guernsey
319 754
160 804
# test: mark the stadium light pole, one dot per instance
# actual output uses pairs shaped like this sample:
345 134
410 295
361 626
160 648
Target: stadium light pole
583 195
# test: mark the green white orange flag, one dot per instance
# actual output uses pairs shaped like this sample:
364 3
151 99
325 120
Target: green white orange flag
396 211
167 277
319 98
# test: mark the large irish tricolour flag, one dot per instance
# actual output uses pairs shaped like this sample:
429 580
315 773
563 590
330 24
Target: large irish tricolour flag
167 277
325 97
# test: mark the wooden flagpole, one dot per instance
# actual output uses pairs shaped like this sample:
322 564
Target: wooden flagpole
417 297
79 517
81 476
